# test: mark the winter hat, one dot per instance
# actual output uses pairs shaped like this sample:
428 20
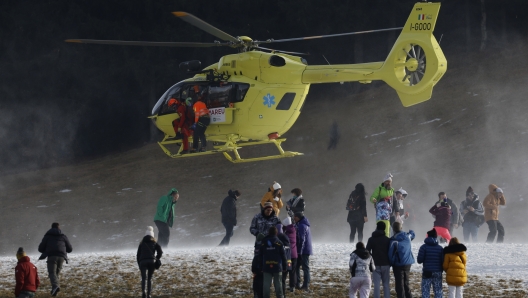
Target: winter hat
469 190
380 225
499 190
279 228
268 205
388 177
20 253
150 231
276 185
402 191
287 221
432 233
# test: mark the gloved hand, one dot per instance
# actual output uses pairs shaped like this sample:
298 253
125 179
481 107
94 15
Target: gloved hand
276 199
193 126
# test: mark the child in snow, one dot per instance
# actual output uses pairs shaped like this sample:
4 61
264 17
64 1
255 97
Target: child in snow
431 255
361 264
441 211
455 267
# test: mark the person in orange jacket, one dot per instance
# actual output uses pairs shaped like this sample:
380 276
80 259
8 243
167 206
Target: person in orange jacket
201 121
182 124
274 196
491 213
27 279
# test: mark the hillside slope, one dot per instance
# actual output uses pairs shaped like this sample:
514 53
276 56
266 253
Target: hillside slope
474 131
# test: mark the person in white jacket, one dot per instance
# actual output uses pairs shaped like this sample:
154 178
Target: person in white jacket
361 265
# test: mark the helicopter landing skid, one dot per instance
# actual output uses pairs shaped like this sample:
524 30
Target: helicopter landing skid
238 159
231 146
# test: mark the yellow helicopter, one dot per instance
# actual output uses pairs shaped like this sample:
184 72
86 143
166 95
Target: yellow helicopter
256 95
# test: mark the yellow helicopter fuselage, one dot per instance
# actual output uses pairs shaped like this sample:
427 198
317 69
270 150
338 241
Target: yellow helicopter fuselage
278 83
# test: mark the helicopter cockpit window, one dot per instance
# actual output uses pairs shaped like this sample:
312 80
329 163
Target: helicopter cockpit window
286 101
161 105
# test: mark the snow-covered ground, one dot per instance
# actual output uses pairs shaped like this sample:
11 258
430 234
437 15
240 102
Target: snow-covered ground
118 271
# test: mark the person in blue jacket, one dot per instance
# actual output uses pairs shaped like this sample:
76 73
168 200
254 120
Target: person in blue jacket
431 255
304 250
401 259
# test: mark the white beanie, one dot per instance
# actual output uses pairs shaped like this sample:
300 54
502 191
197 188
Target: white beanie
402 191
286 221
150 231
388 177
499 190
276 186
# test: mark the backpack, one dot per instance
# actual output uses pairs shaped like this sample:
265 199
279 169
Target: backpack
480 220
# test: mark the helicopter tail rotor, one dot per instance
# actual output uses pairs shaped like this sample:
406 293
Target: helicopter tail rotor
416 62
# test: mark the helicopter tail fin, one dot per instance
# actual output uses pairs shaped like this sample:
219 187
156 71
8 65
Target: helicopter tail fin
416 62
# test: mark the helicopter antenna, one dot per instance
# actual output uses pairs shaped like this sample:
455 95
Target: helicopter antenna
326 59
440 38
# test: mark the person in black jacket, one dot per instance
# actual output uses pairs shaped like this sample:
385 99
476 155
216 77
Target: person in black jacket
296 203
378 246
357 212
55 246
273 263
228 211
147 260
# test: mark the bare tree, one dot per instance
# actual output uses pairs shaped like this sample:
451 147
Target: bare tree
484 33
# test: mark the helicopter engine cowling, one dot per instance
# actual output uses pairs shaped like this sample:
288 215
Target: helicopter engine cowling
191 66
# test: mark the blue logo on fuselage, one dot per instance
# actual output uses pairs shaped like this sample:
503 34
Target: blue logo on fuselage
269 100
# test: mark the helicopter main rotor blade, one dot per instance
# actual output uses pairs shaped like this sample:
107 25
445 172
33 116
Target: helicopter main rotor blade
189 18
281 51
326 36
149 43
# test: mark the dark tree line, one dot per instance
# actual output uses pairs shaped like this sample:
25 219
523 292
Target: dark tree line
61 102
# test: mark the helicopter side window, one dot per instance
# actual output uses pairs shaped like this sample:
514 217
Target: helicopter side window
219 96
241 89
286 101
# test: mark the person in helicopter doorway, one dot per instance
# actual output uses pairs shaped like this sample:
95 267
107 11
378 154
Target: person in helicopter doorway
182 124
201 121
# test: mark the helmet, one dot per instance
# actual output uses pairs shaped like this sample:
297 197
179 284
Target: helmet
172 102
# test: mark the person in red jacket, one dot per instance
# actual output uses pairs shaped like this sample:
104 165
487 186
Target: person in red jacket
181 125
27 280
201 121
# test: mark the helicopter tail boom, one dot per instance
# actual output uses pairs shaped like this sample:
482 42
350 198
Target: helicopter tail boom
414 65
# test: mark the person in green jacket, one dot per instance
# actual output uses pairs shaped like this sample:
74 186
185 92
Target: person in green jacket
165 216
384 201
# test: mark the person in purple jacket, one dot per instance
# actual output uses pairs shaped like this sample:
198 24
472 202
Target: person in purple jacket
304 250
290 231
441 211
